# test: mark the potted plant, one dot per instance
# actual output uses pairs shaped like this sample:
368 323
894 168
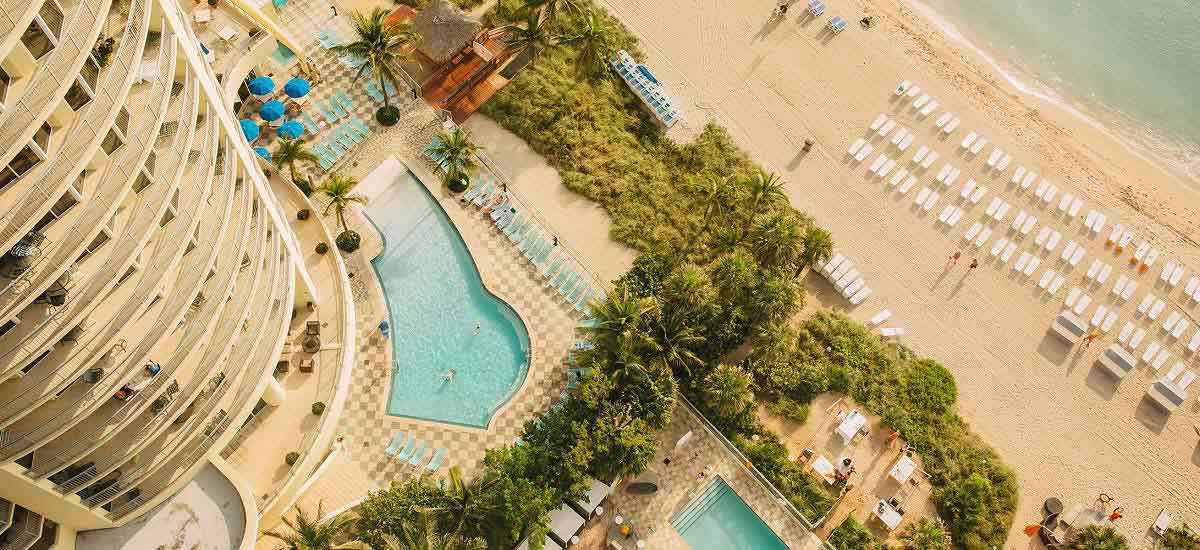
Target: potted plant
384 46
212 3
457 151
291 458
303 214
322 247
338 189
318 408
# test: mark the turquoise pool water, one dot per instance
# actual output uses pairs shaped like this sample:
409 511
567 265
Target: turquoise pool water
435 300
719 519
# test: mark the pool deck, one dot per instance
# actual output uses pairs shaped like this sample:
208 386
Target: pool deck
360 466
681 481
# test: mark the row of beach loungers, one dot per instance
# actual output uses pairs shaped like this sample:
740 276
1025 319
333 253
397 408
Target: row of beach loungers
339 141
1011 235
839 271
415 453
537 245
836 24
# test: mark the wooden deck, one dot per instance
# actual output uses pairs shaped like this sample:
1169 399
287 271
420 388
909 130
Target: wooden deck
464 84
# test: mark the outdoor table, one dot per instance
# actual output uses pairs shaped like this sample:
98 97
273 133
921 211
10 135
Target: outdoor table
888 515
824 468
851 425
903 469
624 541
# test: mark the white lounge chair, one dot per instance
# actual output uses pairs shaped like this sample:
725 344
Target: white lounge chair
908 184
1075 206
920 154
932 200
983 236
1021 261
929 109
891 332
1047 276
1151 351
1129 289
1126 332
864 152
920 101
1017 175
878 163
1051 244
861 295
1028 225
1000 244
967 141
1004 162
1180 327
1067 251
1194 343
899 135
878 122
856 146
1034 262
1082 304
1050 194
972 232
1137 338
922 195
994 157
951 126
906 142
978 145
1028 180
898 177
929 159
1156 309
880 317
1073 296
886 168
1059 280
1008 252
942 120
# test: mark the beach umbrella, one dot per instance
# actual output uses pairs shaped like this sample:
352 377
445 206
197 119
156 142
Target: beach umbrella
290 130
250 129
297 87
271 110
261 86
263 152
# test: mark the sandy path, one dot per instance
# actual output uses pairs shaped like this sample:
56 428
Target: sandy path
1067 429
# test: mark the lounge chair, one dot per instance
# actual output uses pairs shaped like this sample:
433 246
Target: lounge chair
877 123
395 444
929 159
983 237
881 317
861 295
890 332
419 456
436 462
408 449
837 24
901 88
951 126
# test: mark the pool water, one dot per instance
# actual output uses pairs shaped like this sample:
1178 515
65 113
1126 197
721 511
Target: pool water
442 319
719 519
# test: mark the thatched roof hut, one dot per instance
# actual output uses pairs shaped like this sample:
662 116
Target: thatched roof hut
444 30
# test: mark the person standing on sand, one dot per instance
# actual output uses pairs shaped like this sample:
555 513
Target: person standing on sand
974 264
953 259
1087 340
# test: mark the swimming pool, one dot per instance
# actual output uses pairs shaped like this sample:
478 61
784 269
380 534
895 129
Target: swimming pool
442 319
719 519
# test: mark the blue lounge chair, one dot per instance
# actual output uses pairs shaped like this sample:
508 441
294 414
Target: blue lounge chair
326 112
552 268
436 461
343 99
560 278
590 323
309 123
374 92
837 24
419 456
472 192
395 444
511 229
408 450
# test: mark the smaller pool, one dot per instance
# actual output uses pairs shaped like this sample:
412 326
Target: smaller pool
719 519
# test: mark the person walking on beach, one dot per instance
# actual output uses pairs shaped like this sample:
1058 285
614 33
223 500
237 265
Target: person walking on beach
556 241
334 8
477 327
974 264
953 259
1087 340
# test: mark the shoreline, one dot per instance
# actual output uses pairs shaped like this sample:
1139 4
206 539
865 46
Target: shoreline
1110 121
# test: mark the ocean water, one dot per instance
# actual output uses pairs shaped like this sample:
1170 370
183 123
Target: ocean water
435 302
1134 67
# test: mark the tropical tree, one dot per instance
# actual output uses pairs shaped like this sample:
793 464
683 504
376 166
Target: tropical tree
289 152
727 390
422 533
676 341
530 39
925 534
818 247
1178 538
1097 537
339 190
619 321
591 38
457 152
764 191
777 241
550 9
311 533
382 47
467 503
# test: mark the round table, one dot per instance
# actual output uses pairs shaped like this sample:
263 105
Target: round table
1053 506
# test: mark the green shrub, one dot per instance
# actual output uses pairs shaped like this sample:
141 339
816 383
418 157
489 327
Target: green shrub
925 534
348 241
852 535
807 493
458 184
930 386
388 116
1098 537
322 247
318 408
291 458
789 408
1179 538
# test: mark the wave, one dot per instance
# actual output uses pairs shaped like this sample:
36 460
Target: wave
1175 155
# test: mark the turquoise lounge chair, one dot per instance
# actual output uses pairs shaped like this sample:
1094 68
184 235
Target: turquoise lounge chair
419 456
374 93
472 192
590 323
344 99
408 450
395 444
309 123
436 461
552 268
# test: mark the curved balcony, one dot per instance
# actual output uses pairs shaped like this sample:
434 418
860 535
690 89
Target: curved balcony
101 349
56 73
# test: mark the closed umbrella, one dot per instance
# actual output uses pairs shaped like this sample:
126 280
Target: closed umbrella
250 129
261 86
297 87
271 110
290 130
263 152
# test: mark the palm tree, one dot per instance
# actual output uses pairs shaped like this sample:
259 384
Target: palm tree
311 533
818 247
457 152
777 241
339 190
530 38
591 39
383 47
466 502
676 338
727 390
619 321
550 9
422 534
1096 537
289 152
765 191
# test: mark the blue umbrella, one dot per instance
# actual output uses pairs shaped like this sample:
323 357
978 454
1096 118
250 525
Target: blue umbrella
290 130
261 85
297 87
271 110
263 152
250 129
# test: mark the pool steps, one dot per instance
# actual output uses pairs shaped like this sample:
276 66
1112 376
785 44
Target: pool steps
711 494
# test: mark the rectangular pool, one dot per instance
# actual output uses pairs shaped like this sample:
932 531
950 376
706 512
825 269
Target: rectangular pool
719 519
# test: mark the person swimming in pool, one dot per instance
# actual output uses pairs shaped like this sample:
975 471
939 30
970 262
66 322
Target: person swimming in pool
477 327
448 377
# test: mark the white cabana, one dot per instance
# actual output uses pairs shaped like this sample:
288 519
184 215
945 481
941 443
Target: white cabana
597 492
565 522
